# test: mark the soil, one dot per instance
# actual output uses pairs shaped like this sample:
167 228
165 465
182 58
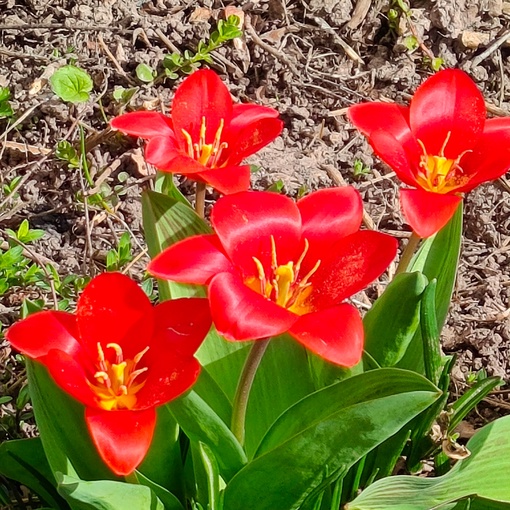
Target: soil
310 60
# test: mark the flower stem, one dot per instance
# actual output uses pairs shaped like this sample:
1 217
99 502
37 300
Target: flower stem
244 386
200 199
407 254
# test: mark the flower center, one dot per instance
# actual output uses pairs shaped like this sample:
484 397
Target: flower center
283 285
114 383
207 154
438 173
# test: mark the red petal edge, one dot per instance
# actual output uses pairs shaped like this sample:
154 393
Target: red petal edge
335 334
239 313
40 332
426 212
122 438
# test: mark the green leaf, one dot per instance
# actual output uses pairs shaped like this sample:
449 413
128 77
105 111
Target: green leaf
162 465
431 342
107 495
200 423
61 422
145 73
283 378
392 321
204 459
325 433
169 501
485 474
71 84
24 460
166 221
438 259
470 399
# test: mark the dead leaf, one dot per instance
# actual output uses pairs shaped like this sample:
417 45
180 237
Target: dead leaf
200 15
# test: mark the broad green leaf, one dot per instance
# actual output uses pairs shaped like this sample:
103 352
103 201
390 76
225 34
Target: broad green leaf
60 419
438 259
107 495
282 379
393 320
71 83
200 423
165 222
325 433
24 460
163 463
208 390
223 361
169 501
485 474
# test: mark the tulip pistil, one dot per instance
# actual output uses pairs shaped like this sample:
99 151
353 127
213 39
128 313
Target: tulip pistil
206 154
439 174
283 285
114 383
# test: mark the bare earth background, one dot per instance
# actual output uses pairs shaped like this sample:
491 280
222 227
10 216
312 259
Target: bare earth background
309 60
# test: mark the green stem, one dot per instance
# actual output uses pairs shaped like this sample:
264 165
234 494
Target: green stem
244 386
200 199
407 254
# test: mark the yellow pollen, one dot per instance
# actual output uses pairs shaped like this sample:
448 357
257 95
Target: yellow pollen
438 173
206 154
113 382
283 285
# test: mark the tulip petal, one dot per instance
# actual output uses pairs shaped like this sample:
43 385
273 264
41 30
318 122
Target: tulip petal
403 162
144 124
448 102
239 313
392 118
122 438
114 309
201 95
167 379
181 326
427 212
245 223
68 371
193 260
490 158
40 332
228 180
163 152
335 334
387 128
244 114
329 215
250 138
355 261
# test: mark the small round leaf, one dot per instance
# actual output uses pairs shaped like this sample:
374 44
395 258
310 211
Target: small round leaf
71 83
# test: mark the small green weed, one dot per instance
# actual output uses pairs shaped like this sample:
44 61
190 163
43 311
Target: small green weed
120 256
360 170
6 110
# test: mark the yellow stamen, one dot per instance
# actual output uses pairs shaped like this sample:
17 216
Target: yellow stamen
113 382
207 154
440 174
284 286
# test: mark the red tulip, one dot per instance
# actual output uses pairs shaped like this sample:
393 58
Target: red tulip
441 146
207 137
120 357
274 266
